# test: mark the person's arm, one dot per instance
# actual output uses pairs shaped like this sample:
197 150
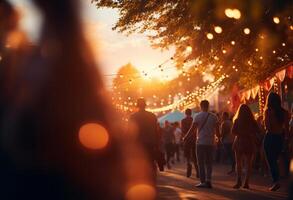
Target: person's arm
290 128
286 125
221 130
234 128
221 134
267 120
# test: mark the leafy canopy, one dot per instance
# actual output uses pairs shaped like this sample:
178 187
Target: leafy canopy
250 45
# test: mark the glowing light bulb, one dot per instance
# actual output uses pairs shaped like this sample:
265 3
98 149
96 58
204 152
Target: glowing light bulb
229 13
189 49
210 36
233 13
236 14
246 31
218 29
233 42
276 20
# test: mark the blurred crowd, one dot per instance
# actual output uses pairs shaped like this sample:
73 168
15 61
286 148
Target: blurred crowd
61 139
256 148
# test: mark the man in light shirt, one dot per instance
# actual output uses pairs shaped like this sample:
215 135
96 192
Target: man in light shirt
207 126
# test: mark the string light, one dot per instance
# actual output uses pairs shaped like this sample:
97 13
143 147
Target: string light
276 20
189 49
184 100
233 13
210 36
246 31
218 29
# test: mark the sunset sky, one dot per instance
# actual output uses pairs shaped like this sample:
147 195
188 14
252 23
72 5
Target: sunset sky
111 48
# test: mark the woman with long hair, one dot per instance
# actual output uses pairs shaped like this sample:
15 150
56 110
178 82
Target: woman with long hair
277 125
245 129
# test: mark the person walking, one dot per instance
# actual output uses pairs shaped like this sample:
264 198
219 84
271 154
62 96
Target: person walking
261 163
207 127
178 137
189 145
169 141
277 126
245 129
227 139
148 136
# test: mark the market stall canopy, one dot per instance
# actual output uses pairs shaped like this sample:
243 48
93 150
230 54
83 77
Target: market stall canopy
175 116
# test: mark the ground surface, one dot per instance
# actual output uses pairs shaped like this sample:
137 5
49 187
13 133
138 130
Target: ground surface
173 184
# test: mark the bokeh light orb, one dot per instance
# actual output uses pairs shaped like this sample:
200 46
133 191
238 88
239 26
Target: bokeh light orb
229 13
218 29
210 36
236 14
141 192
233 13
276 20
246 31
189 49
93 136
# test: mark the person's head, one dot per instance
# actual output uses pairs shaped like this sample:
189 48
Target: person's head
225 116
273 102
141 104
204 105
244 114
188 112
167 123
176 124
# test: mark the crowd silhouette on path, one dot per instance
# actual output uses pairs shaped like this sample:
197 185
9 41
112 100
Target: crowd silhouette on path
50 90
245 141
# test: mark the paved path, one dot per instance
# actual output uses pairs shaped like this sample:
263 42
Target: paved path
172 184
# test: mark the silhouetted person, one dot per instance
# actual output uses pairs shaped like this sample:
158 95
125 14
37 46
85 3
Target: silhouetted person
245 129
227 139
56 93
147 132
169 142
189 145
207 127
178 137
277 127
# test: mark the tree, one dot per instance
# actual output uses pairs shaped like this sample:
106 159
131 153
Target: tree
247 39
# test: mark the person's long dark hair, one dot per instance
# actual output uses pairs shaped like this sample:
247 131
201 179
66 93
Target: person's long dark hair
244 116
273 103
